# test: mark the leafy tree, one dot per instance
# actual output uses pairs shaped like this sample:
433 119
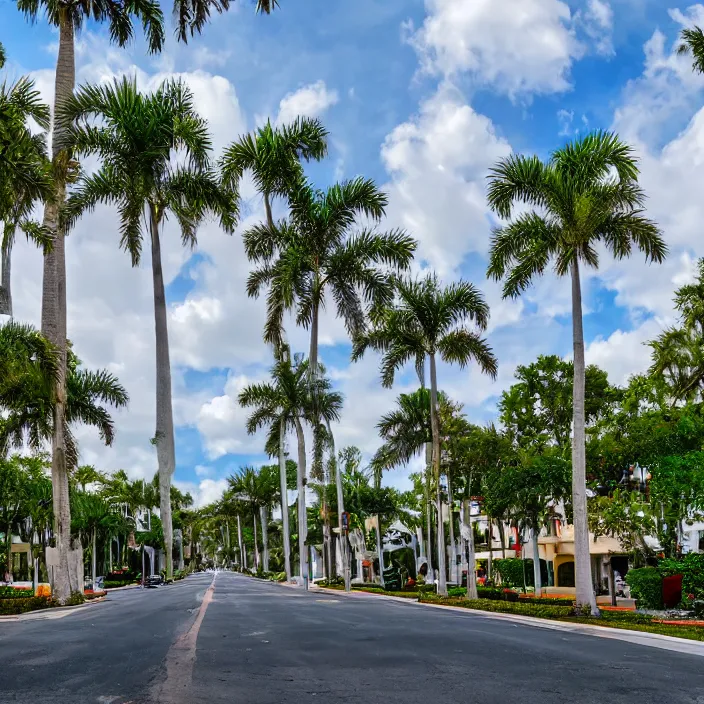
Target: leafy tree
587 194
273 155
428 320
137 137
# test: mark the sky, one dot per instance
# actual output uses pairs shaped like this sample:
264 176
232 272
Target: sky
423 96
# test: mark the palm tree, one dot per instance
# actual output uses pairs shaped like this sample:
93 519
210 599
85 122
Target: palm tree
30 415
314 252
430 321
280 405
248 487
586 194
24 173
273 155
692 44
68 16
137 137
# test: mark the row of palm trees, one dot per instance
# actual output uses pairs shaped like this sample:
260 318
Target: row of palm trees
69 16
586 194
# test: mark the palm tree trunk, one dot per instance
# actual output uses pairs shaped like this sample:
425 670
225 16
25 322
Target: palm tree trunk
6 276
243 562
537 579
54 316
267 208
164 436
380 549
284 501
429 508
471 554
257 560
434 422
582 560
344 544
453 563
302 518
94 557
264 516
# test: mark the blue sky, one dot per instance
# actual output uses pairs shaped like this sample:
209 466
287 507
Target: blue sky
422 96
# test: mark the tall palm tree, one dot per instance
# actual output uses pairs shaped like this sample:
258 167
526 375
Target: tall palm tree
24 173
279 405
248 487
315 252
273 155
428 320
68 16
585 195
137 137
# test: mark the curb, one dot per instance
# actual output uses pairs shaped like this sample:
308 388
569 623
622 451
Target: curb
52 613
652 640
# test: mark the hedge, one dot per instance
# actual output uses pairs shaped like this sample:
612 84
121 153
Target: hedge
691 567
113 584
14 605
514 572
646 587
14 593
538 610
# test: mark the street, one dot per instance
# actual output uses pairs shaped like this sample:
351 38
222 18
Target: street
260 643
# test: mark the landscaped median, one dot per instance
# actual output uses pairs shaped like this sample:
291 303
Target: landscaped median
554 609
20 601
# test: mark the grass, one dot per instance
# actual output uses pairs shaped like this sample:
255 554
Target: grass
625 620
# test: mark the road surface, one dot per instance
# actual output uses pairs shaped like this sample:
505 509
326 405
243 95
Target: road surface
258 643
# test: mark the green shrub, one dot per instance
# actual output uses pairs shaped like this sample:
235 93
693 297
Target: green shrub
691 567
111 584
13 606
513 572
546 600
698 606
12 593
522 608
75 599
646 587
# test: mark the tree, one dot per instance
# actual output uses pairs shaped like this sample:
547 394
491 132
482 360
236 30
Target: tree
677 352
430 321
273 155
280 405
30 414
248 486
586 194
24 173
68 16
692 44
137 137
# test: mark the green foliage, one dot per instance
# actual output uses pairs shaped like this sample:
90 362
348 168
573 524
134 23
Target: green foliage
646 587
525 609
114 583
13 593
512 571
691 567
13 606
76 599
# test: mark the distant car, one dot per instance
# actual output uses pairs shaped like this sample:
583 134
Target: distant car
154 580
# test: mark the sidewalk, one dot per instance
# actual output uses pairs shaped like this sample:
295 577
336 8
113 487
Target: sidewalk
652 640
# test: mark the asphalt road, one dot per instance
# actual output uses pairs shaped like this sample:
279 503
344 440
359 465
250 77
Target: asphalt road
258 643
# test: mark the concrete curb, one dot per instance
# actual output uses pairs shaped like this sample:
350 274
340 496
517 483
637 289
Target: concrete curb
651 640
51 613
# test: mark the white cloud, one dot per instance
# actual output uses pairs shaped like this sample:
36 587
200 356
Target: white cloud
598 20
516 49
438 161
206 492
312 100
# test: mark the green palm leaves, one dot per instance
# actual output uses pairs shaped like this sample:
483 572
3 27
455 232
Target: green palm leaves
137 139
317 252
586 193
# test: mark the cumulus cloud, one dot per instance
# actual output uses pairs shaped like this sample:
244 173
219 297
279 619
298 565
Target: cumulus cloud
309 101
438 161
514 50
